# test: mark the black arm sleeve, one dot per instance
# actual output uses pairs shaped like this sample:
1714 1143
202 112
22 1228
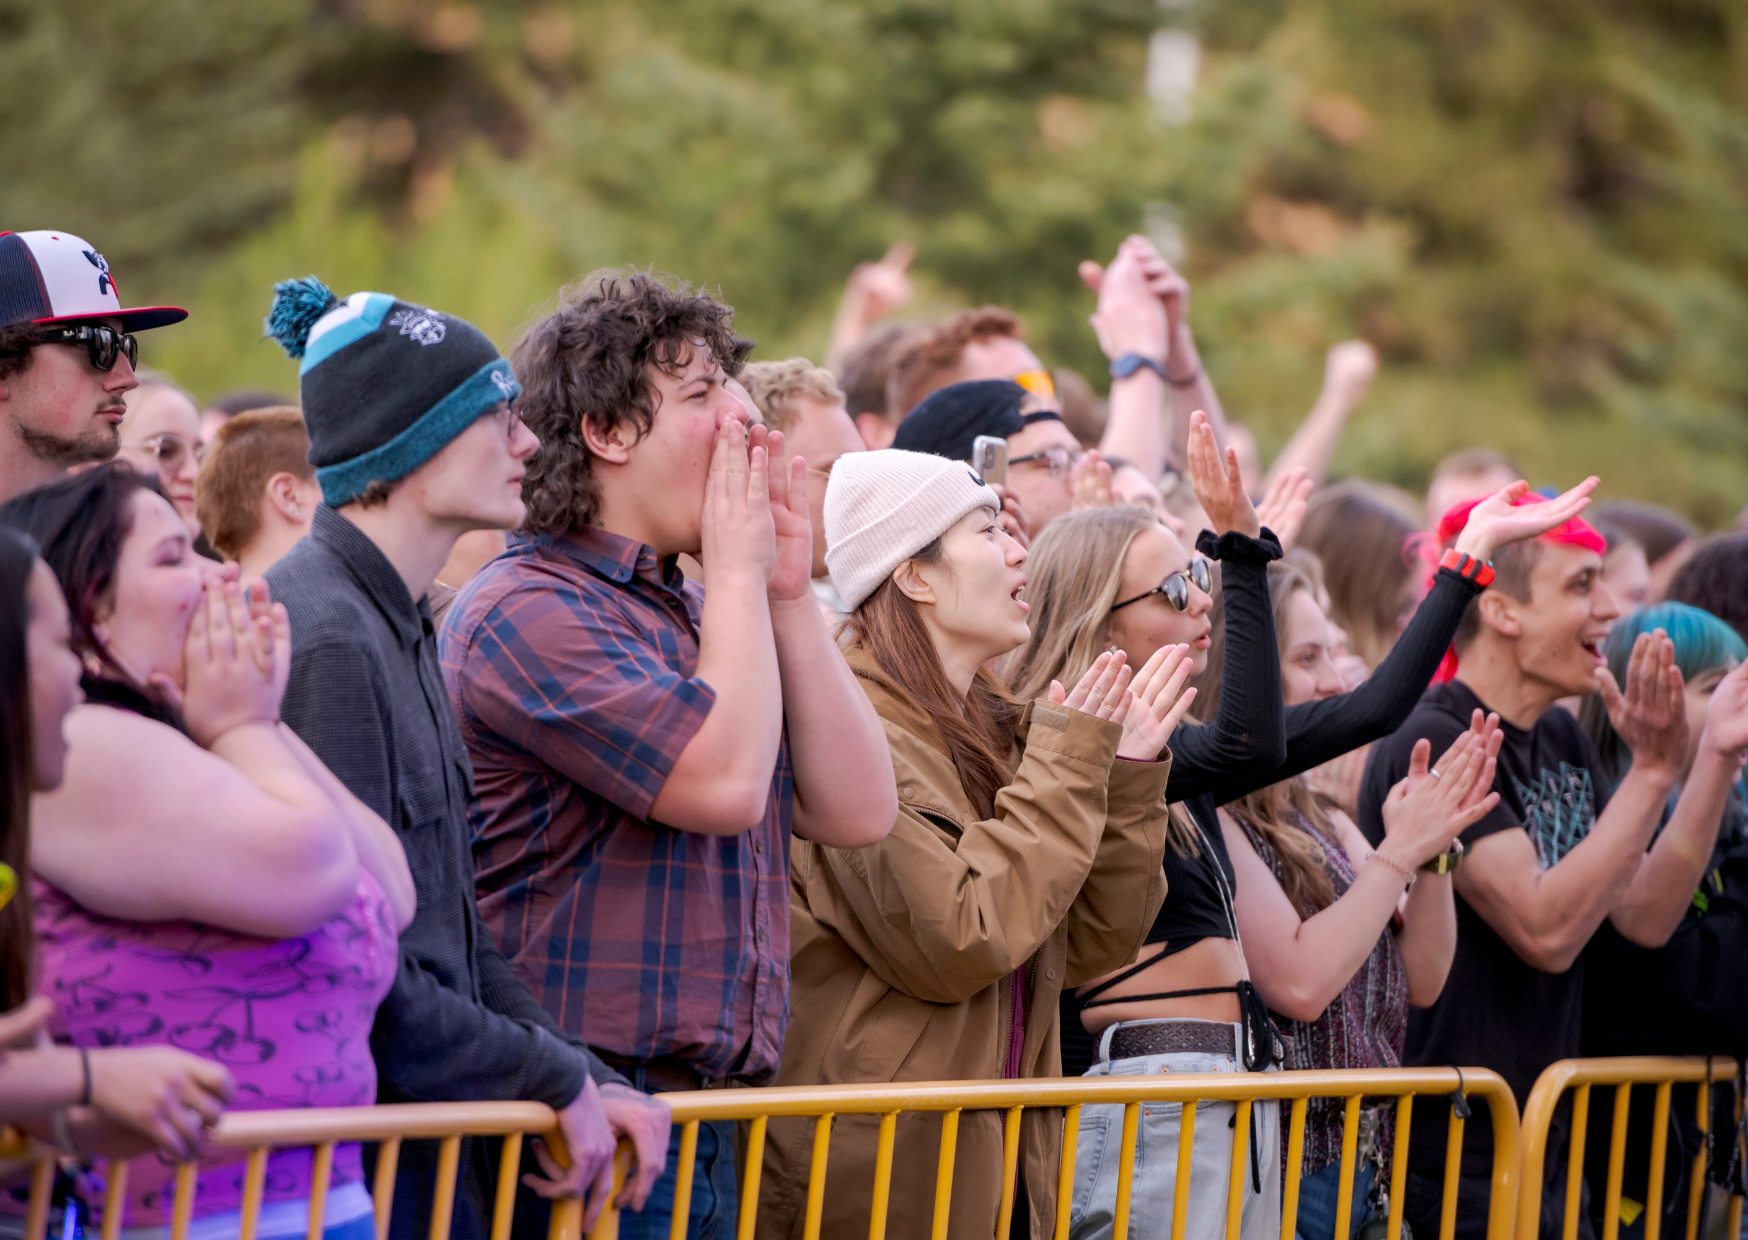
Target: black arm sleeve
1319 732
1247 733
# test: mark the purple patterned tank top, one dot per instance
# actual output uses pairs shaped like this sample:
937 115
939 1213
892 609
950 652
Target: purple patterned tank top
290 1018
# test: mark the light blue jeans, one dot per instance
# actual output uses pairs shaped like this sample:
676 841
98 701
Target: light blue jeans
1097 1160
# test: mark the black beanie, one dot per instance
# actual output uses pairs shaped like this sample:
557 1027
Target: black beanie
386 384
946 421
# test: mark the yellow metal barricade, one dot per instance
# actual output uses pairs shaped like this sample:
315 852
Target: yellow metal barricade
261 1132
950 1099
1579 1075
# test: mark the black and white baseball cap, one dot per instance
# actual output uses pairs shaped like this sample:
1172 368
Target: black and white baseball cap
55 277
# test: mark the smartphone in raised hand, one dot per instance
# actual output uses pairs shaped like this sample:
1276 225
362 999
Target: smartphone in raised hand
989 457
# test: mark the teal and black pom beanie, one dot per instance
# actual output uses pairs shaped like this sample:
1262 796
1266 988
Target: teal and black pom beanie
386 384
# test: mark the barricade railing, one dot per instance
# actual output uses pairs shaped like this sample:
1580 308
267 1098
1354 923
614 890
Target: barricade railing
260 1133
1579 1076
949 1099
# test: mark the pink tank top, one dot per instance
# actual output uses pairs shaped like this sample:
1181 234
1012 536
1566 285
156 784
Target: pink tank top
290 1018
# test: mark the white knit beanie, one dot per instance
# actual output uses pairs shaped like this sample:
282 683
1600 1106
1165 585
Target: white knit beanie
883 507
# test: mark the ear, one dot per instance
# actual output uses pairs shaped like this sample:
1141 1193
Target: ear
1499 613
875 431
613 444
286 496
913 583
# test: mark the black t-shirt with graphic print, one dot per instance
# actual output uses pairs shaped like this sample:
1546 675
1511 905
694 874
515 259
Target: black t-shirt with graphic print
1495 1011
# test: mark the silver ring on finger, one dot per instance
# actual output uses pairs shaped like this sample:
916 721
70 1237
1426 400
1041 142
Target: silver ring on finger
1433 771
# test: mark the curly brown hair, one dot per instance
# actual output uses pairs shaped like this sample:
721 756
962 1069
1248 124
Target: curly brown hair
16 342
590 360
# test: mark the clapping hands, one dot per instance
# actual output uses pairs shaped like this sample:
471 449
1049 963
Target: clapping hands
1149 706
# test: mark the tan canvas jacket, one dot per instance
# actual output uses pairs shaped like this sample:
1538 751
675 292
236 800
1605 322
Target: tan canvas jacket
904 953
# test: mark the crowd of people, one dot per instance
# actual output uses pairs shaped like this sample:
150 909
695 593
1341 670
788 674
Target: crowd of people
627 716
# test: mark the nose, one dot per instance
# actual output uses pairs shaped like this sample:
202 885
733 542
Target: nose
1201 602
1328 678
1016 554
121 376
1605 606
524 443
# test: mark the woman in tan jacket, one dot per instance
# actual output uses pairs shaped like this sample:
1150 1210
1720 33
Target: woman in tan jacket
1026 855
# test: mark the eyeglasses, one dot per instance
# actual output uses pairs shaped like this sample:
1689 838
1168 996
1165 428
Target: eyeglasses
1176 587
103 343
169 453
1038 383
1059 460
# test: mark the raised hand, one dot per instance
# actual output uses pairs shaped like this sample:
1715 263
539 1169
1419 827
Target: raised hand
1651 714
1159 705
1727 715
1214 478
793 567
1283 508
1103 692
1348 370
1090 480
1129 318
226 683
739 535
1429 808
1495 521
884 286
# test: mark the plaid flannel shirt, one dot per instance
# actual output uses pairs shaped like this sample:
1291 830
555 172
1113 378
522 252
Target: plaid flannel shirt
571 662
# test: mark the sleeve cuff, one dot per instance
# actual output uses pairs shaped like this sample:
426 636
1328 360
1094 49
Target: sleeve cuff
1235 546
1138 782
1450 574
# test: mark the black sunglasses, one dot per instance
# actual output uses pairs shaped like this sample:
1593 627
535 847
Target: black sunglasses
1176 587
103 343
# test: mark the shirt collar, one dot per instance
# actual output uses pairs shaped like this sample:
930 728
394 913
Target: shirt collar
370 568
612 556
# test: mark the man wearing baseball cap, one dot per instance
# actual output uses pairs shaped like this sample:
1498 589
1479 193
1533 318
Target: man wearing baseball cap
67 354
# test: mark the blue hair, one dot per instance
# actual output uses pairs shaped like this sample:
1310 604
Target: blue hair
1702 641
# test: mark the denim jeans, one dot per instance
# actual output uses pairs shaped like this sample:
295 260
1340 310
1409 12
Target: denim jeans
1318 1198
1097 1161
714 1190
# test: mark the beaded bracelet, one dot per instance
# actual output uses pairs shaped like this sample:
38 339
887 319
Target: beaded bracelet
1373 854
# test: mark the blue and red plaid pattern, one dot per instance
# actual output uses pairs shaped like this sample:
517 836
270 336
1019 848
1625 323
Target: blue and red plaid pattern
571 662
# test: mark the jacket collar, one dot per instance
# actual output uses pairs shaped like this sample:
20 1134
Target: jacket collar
365 563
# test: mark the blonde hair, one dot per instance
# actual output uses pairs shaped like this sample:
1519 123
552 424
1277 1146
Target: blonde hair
1072 577
776 386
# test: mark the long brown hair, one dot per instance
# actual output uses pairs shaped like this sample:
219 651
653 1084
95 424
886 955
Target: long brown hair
17 766
1072 577
979 728
1273 814
1361 541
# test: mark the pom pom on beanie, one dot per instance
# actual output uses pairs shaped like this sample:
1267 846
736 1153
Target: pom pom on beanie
883 507
297 305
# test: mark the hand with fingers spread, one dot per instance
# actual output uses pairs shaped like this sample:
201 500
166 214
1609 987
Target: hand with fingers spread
1160 701
790 524
1501 519
739 535
228 680
1103 692
1650 713
645 1122
1090 480
589 1142
1428 809
1283 508
1215 479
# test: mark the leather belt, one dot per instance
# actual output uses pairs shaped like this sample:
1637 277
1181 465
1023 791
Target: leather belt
664 1074
1168 1037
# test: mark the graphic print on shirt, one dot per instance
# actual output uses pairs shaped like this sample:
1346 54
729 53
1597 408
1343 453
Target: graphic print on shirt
1558 811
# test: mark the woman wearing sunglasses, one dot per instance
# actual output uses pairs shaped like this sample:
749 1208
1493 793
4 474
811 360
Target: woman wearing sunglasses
160 437
1192 1001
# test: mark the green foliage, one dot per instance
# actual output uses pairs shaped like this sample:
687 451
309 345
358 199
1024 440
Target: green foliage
1532 208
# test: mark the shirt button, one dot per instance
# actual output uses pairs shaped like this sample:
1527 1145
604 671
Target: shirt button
1050 974
905 791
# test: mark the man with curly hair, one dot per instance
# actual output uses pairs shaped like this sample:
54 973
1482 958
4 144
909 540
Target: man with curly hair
643 746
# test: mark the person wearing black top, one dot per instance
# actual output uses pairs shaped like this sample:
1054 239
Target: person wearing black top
1250 745
1559 854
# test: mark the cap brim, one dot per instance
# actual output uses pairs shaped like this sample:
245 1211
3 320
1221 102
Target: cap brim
139 319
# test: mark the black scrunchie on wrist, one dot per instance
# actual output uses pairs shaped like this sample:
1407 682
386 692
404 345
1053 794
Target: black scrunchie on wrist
1235 546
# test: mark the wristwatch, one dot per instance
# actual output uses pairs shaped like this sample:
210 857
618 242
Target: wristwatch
1129 363
1445 862
1467 567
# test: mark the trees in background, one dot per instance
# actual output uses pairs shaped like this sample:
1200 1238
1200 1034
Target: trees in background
1532 207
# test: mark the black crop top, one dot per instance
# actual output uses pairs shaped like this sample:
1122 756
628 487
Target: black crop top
1253 742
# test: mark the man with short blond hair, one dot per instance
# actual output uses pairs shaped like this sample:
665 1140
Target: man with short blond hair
256 494
804 402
